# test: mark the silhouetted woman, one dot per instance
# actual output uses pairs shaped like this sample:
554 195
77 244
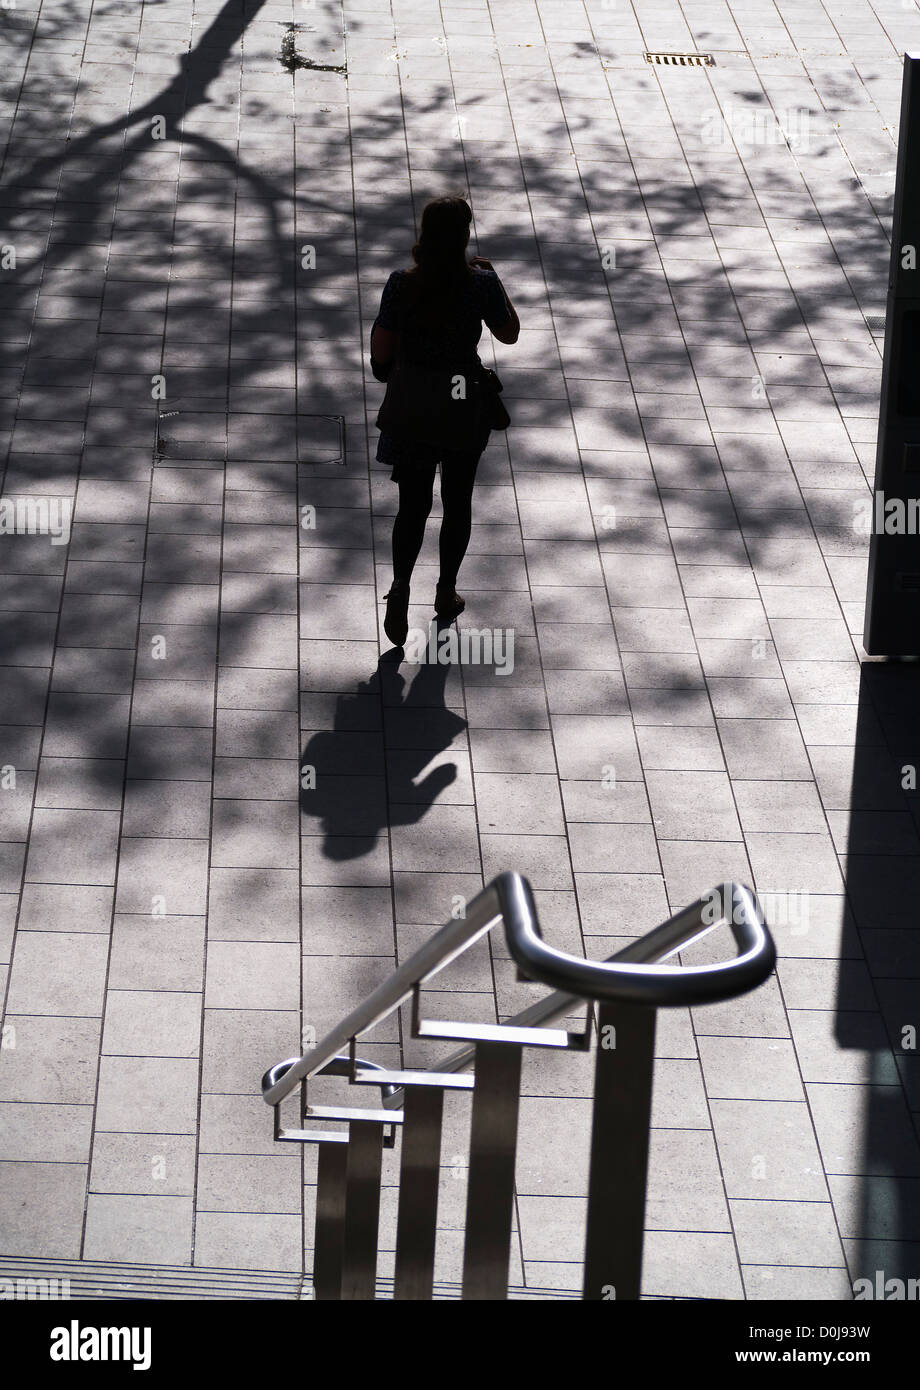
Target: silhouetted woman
431 316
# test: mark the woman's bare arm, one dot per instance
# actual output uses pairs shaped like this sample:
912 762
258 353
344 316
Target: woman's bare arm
510 332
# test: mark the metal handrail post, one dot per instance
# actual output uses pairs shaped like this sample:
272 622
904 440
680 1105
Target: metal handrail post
362 1210
618 1173
419 1182
490 1184
330 1219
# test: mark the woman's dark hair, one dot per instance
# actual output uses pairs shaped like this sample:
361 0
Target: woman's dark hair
441 267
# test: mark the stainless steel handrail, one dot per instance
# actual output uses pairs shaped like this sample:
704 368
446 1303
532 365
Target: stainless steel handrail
626 990
662 941
627 976
339 1066
637 982
483 913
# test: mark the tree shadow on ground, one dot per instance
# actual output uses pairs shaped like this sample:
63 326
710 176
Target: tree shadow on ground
254 343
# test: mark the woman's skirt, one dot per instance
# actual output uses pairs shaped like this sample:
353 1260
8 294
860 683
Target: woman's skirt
406 457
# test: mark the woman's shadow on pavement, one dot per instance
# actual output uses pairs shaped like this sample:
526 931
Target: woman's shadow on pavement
360 777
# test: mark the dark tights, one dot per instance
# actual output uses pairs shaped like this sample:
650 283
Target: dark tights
416 492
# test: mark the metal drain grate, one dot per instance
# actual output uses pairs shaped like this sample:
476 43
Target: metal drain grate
186 433
323 441
682 60
876 322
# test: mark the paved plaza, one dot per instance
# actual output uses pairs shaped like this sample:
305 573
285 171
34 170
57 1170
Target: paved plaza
228 810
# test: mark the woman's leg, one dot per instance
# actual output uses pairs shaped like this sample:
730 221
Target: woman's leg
415 497
458 475
415 489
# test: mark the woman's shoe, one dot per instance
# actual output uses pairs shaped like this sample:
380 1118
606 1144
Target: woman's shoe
396 619
447 602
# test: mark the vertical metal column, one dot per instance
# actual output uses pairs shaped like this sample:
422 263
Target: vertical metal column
490 1194
892 620
330 1220
419 1175
362 1210
619 1151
